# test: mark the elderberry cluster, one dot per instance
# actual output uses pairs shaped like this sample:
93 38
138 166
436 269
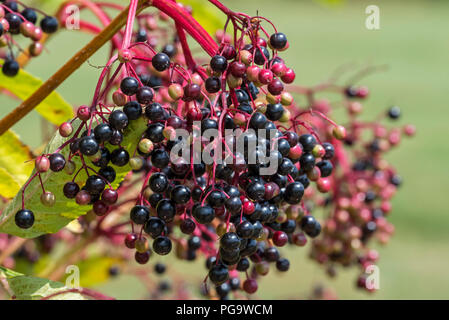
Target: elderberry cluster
18 19
235 206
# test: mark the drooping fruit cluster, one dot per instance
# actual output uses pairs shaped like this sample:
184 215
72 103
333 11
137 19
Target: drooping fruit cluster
226 164
18 19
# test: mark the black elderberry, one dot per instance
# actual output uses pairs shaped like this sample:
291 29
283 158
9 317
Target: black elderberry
129 86
108 173
278 40
166 210
133 110
180 194
218 63
118 120
154 112
144 95
160 158
103 132
203 214
30 15
88 146
24 218
213 84
230 241
57 162
94 184
119 157
218 274
70 190
162 245
49 24
158 182
161 62
154 227
139 214
294 192
10 68
308 142
274 111
310 226
325 167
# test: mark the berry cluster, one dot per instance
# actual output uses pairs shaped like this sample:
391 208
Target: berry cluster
237 206
16 19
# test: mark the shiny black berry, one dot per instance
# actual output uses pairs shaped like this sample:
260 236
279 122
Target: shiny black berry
161 62
203 214
310 226
166 210
10 68
88 146
158 182
57 162
129 86
49 24
154 227
118 120
162 245
119 157
160 158
278 40
180 194
294 192
139 214
144 95
103 132
213 84
24 218
218 63
94 185
133 110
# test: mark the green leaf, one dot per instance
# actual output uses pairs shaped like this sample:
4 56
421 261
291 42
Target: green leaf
32 288
15 164
54 108
52 219
208 16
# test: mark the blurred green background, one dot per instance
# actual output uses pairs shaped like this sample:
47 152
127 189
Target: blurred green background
414 42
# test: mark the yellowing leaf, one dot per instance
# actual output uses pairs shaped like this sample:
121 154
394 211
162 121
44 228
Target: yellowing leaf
208 16
8 185
15 164
52 219
54 108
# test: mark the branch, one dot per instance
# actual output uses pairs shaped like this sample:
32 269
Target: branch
69 67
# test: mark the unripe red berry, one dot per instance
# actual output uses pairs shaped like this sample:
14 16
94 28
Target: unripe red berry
250 286
109 196
27 29
265 76
246 57
279 69
37 34
130 240
100 208
252 73
65 129
280 238
35 49
324 185
83 198
42 164
125 55
289 76
275 87
237 69
248 207
191 92
83 113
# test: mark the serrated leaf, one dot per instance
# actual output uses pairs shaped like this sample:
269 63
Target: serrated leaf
52 219
208 16
32 288
54 108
